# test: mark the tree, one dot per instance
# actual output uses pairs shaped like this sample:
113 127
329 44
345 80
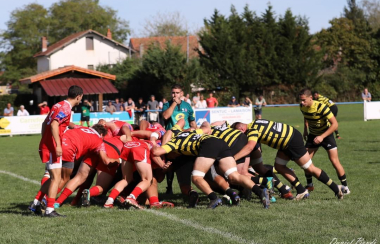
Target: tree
27 25
371 10
165 24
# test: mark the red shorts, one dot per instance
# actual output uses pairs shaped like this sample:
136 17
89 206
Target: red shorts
136 151
48 154
69 150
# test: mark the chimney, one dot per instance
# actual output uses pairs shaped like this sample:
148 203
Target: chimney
109 34
44 43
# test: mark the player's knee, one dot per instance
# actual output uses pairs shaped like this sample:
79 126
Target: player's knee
231 173
307 165
281 162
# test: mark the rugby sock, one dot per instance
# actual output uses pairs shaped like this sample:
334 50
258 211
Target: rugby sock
135 193
40 195
77 197
260 180
343 179
153 199
231 193
50 205
111 198
309 179
325 179
297 184
44 179
59 190
257 190
64 195
94 191
212 196
281 187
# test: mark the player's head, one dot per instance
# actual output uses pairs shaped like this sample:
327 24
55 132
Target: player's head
176 91
306 97
102 122
100 129
75 94
206 127
316 95
239 126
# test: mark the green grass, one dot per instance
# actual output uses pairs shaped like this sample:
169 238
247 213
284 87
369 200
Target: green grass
316 220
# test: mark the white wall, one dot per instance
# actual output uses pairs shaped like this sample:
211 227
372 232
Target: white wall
42 64
105 52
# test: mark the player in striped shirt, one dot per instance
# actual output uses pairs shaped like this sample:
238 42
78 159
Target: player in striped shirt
334 109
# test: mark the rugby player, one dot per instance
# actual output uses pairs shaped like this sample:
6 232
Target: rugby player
320 124
288 141
50 149
207 149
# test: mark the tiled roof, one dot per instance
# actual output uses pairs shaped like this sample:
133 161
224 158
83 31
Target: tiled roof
67 40
135 43
55 72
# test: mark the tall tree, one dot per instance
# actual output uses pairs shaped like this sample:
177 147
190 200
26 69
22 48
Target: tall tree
165 24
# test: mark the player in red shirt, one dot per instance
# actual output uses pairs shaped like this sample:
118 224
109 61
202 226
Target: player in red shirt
51 150
117 128
86 142
211 101
44 108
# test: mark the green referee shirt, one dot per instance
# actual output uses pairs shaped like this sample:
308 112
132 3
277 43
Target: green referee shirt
181 111
85 110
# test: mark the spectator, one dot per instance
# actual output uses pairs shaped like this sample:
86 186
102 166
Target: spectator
212 101
161 104
129 105
233 103
247 102
92 106
140 108
44 108
110 108
85 113
366 96
22 111
122 104
152 105
260 101
196 98
118 105
8 111
187 99
201 103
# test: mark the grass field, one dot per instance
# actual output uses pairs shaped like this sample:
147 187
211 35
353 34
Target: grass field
319 219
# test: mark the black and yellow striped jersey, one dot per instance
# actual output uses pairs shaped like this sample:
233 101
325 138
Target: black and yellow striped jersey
274 134
325 100
225 133
186 142
317 117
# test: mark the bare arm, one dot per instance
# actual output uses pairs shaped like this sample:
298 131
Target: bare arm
142 134
158 151
168 112
216 123
305 129
106 160
247 149
193 125
57 139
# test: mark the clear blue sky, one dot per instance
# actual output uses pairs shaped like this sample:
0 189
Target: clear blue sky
319 12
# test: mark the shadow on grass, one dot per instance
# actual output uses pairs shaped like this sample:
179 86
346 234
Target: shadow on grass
367 150
18 208
373 162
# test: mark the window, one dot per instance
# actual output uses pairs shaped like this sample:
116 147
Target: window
89 43
90 66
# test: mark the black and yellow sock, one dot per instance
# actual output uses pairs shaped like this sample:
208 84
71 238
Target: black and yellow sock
212 196
325 179
281 187
257 190
309 179
343 179
258 180
230 192
337 133
297 184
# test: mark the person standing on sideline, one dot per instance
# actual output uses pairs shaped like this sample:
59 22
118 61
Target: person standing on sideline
110 108
119 106
366 96
260 102
212 101
85 113
8 111
320 124
152 105
201 103
22 111
44 108
140 108
233 103
247 102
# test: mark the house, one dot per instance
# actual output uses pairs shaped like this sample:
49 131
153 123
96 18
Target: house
188 44
86 49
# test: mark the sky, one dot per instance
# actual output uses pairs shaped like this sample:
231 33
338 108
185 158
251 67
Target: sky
318 12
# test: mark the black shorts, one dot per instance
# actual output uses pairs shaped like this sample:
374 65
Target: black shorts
328 143
84 118
258 111
334 110
238 144
295 148
183 166
214 148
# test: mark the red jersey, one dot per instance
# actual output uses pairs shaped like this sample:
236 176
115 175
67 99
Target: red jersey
44 110
211 101
60 112
79 142
118 132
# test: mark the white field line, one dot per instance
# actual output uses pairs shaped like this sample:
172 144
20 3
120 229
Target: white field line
172 217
